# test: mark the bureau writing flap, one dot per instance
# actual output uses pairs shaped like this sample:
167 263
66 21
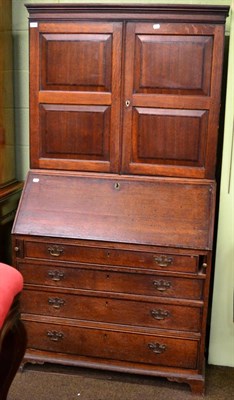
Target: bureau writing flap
154 211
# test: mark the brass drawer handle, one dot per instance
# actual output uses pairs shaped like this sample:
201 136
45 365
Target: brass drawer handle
55 250
159 315
162 285
163 261
56 302
56 276
55 336
157 348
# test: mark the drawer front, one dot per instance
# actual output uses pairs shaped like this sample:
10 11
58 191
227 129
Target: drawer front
113 345
111 310
106 256
114 282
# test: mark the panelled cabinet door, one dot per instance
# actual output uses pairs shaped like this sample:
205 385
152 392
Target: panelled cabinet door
172 91
75 95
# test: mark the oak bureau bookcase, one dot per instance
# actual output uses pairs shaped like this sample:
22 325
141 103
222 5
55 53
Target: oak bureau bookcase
114 230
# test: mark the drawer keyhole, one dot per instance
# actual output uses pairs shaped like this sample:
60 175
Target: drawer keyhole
117 185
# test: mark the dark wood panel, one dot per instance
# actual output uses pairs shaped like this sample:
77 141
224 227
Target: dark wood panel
63 251
109 280
170 137
163 212
76 61
163 64
111 310
97 280
124 346
77 132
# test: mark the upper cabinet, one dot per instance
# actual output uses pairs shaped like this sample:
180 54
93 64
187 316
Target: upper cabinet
123 96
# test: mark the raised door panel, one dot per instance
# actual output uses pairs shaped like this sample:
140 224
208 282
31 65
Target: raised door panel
75 96
80 132
165 64
76 62
171 93
175 137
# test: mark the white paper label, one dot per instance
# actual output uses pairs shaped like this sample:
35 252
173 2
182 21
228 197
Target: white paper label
33 24
156 26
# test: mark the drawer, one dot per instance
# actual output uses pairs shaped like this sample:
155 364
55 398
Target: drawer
113 345
107 256
111 310
111 281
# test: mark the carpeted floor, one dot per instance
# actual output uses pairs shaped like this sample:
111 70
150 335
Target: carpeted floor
50 382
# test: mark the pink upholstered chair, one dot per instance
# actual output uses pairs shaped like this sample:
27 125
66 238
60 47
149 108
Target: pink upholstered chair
12 331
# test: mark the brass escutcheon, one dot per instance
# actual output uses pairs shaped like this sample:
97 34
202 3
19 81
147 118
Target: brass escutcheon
117 185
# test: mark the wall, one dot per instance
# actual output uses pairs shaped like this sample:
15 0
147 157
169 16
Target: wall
222 325
7 149
221 350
